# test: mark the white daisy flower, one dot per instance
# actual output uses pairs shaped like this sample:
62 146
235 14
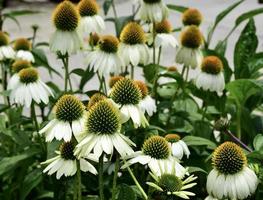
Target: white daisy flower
212 198
192 16
211 76
164 37
178 146
147 103
230 178
29 88
65 163
169 184
90 20
105 58
65 39
23 47
69 118
189 53
153 10
102 132
126 94
17 66
156 153
132 47
6 52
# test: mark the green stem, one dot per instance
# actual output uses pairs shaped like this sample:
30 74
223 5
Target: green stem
159 55
238 122
101 184
65 61
4 83
79 180
114 184
137 183
154 50
132 71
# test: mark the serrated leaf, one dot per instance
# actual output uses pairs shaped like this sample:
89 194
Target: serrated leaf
177 8
199 141
245 49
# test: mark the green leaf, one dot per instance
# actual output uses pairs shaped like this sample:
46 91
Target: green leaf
196 169
120 22
85 78
199 141
150 71
220 17
221 47
245 49
16 13
41 60
30 182
241 89
78 71
126 193
177 8
248 15
9 163
13 19
106 6
258 142
255 63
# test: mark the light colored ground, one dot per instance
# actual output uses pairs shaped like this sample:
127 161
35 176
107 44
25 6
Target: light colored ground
209 8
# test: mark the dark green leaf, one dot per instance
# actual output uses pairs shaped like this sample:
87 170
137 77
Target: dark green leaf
177 8
150 72
85 78
199 141
245 49
79 71
258 142
16 13
248 15
126 193
221 47
106 6
255 64
195 169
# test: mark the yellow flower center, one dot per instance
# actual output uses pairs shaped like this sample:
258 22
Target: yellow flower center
66 17
172 138
192 16
132 34
28 75
114 79
22 44
163 27
143 88
95 98
109 44
212 65
4 39
229 158
191 37
88 8
67 151
19 65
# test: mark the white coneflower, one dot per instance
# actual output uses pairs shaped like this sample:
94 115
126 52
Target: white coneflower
102 132
17 66
6 52
105 58
90 20
189 53
69 118
163 35
166 80
156 153
192 16
132 47
230 178
153 10
169 184
114 79
65 163
147 103
29 88
211 76
178 146
126 94
65 39
23 48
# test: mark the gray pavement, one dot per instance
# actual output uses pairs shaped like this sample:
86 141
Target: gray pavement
209 9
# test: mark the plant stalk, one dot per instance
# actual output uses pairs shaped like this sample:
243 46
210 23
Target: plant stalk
101 184
115 177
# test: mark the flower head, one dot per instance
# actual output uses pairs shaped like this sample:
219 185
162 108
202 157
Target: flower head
4 39
22 44
66 17
95 98
69 108
114 79
212 65
143 88
191 37
172 138
156 147
109 44
28 75
125 92
88 8
163 27
132 34
19 65
67 151
192 16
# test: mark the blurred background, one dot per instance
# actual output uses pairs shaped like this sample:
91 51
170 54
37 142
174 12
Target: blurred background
209 9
